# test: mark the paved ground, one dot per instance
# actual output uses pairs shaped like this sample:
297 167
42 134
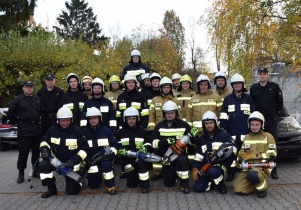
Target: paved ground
284 193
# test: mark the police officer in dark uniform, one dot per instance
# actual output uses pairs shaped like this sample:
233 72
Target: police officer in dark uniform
25 111
268 100
74 98
50 98
68 145
106 107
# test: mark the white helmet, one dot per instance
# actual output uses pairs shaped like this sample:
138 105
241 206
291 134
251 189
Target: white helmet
135 52
237 78
93 112
86 79
131 112
154 76
256 116
64 113
144 76
130 76
97 81
169 106
165 80
176 76
209 115
202 78
72 75
220 74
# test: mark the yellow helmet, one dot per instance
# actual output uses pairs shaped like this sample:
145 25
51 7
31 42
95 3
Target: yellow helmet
114 78
186 78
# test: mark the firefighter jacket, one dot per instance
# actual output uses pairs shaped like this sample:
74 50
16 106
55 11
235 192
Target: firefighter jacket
223 92
88 93
144 89
66 144
74 100
112 96
155 109
150 95
165 135
133 99
97 138
133 138
134 66
261 145
199 104
235 113
268 100
108 112
25 111
208 144
184 97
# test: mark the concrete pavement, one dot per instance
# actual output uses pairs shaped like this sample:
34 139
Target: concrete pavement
284 193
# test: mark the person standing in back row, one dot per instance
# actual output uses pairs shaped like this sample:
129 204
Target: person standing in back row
25 111
268 100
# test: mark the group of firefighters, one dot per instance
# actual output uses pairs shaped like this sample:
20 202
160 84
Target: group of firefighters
148 122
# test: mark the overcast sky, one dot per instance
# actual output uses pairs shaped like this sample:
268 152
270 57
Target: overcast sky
125 15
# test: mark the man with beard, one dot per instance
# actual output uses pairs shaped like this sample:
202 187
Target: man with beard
86 83
74 98
211 139
115 89
155 91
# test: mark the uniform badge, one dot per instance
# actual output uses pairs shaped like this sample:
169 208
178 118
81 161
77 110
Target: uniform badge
195 100
210 100
158 104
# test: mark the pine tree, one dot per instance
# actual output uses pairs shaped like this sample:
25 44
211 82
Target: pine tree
16 13
79 22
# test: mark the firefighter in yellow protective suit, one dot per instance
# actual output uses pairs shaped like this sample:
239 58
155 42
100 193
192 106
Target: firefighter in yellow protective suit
184 93
155 109
204 100
220 80
261 147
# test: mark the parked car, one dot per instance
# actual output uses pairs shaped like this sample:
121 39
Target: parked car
8 132
289 136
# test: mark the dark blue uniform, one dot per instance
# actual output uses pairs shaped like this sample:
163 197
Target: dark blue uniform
97 138
65 144
206 145
107 109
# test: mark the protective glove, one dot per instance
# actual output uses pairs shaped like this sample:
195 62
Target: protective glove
171 141
195 174
143 150
194 132
45 154
246 156
69 164
122 152
163 144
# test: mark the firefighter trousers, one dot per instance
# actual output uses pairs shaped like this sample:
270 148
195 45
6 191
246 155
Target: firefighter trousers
178 168
250 181
214 174
100 172
48 179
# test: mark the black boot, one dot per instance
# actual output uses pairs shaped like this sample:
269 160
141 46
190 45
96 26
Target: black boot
274 174
157 177
262 194
20 176
222 188
185 190
144 190
52 190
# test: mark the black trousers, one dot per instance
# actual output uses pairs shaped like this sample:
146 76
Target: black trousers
25 145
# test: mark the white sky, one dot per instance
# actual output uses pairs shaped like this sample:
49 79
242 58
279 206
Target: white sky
122 16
